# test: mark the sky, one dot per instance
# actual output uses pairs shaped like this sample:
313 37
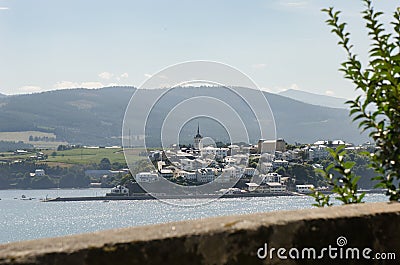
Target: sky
280 44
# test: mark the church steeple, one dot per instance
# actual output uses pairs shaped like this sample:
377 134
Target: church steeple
198 135
198 138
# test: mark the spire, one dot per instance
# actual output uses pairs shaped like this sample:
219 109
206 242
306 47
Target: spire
198 135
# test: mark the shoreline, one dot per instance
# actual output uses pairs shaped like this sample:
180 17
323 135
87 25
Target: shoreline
182 197
170 197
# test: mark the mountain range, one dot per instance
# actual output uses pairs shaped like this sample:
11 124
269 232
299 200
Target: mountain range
94 116
315 99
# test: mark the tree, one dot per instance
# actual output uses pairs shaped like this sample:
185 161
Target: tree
379 83
105 164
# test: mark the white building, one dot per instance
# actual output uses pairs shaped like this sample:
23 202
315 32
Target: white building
119 190
192 164
214 151
275 187
272 177
205 175
40 172
148 177
280 163
252 187
304 188
230 174
166 173
186 175
249 171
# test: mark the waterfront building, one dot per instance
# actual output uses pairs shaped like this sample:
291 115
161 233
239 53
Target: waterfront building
304 188
118 191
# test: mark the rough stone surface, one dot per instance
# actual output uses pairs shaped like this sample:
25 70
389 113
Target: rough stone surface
225 240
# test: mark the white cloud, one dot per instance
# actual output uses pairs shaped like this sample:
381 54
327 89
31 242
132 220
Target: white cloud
329 93
69 84
294 86
106 75
92 85
4 8
266 89
29 89
147 75
295 4
65 84
259 66
162 76
124 75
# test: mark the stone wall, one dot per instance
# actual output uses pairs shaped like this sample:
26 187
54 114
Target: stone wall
231 240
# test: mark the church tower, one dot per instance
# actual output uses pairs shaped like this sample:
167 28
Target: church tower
198 138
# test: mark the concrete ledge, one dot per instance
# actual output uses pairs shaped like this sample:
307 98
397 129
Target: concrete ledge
224 240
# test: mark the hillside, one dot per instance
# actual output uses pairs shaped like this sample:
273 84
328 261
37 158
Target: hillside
94 117
315 99
2 95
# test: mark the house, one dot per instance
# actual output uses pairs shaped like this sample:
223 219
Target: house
38 173
272 177
249 171
205 175
147 177
186 175
279 163
166 173
119 191
192 165
20 152
214 151
252 187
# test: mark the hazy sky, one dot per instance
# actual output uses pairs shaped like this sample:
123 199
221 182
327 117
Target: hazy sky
280 44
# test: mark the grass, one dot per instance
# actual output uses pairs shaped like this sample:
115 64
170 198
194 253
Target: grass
90 156
79 156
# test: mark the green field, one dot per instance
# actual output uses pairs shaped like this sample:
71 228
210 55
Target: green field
79 156
91 156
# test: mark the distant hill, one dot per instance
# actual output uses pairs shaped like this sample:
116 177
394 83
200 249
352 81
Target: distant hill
94 116
315 99
2 95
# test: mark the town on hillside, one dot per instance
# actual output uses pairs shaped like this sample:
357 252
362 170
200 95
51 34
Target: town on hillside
259 168
268 166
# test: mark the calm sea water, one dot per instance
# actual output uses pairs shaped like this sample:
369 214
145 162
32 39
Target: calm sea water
32 219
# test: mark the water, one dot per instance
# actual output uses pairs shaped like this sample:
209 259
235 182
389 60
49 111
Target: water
32 219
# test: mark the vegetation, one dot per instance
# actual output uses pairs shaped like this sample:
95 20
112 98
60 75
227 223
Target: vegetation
344 186
380 84
8 146
86 156
94 116
65 168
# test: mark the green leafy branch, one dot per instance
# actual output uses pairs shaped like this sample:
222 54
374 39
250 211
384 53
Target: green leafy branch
345 186
380 84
